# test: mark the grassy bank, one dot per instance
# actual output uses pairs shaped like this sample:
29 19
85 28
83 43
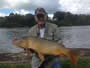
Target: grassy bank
15 66
83 62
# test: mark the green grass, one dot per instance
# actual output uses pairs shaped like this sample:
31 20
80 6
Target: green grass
83 62
15 66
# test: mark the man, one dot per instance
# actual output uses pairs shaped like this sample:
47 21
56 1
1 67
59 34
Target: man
45 30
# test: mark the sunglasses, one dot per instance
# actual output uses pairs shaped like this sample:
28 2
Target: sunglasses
40 15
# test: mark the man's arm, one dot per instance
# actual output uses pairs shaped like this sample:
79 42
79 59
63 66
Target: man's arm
57 36
33 31
55 33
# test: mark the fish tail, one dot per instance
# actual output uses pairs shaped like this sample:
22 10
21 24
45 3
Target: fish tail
73 56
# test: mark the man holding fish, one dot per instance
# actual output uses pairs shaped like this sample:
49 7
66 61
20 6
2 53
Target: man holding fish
45 30
46 53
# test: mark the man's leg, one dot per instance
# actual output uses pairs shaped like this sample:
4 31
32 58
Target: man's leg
51 62
36 62
56 65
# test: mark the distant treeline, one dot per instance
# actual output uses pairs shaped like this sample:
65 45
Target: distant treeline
60 18
17 20
68 19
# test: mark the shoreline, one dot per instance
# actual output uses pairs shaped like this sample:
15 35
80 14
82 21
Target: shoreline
14 58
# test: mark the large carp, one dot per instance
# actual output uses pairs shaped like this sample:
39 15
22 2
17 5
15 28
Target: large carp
42 47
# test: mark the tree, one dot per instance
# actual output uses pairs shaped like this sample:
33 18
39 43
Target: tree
59 15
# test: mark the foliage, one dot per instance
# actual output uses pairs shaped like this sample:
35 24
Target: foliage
60 18
17 20
68 19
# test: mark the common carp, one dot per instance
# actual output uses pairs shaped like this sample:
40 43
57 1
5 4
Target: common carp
46 47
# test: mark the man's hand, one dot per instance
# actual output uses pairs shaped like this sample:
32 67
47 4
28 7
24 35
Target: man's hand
27 52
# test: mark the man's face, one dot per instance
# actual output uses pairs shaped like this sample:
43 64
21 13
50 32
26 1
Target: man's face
40 17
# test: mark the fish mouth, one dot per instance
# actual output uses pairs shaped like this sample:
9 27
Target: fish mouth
15 41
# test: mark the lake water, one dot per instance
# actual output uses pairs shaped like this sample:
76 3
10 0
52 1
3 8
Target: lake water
75 36
71 37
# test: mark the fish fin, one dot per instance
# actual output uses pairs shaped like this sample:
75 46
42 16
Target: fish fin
27 52
58 53
41 57
73 55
